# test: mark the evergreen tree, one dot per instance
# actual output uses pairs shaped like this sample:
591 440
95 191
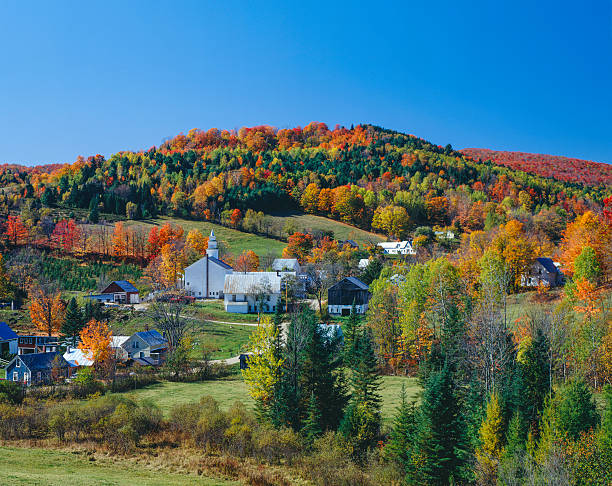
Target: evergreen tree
321 375
94 213
73 321
576 411
535 379
351 331
361 422
312 425
372 271
441 436
403 434
515 437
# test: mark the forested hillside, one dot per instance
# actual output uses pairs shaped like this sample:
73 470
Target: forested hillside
561 168
366 176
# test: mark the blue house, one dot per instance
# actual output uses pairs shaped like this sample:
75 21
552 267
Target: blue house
8 340
146 344
37 368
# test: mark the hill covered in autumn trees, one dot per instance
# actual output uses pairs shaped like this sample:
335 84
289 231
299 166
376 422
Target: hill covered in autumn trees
563 168
366 176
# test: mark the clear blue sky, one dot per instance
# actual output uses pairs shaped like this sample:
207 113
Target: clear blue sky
80 78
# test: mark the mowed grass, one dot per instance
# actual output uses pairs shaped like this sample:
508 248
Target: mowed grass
342 231
167 395
214 309
231 240
44 467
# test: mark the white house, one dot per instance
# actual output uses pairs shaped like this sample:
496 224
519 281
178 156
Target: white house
363 263
146 344
397 247
206 277
252 291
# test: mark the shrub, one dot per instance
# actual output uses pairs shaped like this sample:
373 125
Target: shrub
272 445
10 392
239 433
212 424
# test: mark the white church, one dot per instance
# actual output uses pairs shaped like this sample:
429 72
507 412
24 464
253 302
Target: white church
206 277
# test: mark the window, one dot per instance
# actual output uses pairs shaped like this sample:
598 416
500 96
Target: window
38 376
15 376
18 363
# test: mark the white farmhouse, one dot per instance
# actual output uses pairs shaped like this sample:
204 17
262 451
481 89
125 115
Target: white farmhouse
206 277
252 291
397 248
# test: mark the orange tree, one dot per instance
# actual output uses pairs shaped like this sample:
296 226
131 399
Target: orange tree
95 342
47 311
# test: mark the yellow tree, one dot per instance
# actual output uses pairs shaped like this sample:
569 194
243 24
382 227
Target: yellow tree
265 363
173 263
310 198
95 343
393 220
47 311
515 249
491 436
196 242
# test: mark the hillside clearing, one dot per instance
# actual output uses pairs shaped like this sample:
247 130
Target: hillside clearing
44 467
342 231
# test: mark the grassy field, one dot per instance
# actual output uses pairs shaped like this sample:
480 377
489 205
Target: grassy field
230 240
166 395
213 309
342 231
42 467
222 341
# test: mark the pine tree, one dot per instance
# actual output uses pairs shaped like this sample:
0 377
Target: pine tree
402 437
361 422
94 213
576 411
312 425
73 322
351 331
536 379
441 437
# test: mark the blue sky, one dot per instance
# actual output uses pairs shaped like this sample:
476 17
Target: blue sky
80 78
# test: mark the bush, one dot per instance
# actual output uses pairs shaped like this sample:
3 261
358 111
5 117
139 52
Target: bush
272 445
239 434
11 392
212 424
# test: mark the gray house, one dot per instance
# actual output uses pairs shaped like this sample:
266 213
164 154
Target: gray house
37 368
342 295
146 344
543 271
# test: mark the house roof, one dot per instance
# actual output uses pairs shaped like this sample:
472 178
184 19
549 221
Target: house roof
548 264
117 341
41 361
77 357
358 283
152 338
6 333
280 264
395 245
247 282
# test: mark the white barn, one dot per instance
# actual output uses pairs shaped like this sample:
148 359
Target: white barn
397 248
206 277
245 292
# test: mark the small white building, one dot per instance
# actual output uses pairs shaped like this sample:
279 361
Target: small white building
206 277
286 265
397 247
252 291
363 263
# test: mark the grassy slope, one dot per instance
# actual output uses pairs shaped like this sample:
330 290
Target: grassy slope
235 241
59 468
168 394
342 231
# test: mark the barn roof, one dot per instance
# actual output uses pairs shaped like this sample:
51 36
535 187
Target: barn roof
124 285
6 333
152 338
246 283
358 283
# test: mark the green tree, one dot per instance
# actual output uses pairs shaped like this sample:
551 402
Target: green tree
94 213
441 437
351 331
536 378
586 266
74 321
312 425
576 410
400 447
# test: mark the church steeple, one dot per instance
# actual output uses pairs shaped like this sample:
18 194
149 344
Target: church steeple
213 249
